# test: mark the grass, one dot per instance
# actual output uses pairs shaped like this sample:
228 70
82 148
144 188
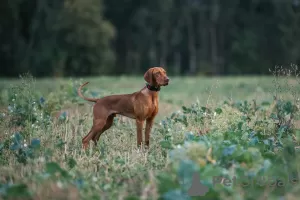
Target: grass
181 91
206 125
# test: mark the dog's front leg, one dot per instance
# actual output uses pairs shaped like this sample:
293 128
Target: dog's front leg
149 124
139 130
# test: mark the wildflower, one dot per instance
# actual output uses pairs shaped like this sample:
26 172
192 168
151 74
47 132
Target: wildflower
94 178
42 100
59 184
41 159
205 113
215 114
25 145
178 146
13 99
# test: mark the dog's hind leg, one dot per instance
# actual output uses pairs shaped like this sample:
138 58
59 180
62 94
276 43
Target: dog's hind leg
107 125
97 127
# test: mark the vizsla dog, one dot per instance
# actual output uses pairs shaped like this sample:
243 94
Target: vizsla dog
141 106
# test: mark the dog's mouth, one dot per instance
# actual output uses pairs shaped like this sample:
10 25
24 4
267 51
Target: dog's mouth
166 83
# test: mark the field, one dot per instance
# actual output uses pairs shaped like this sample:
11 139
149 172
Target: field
215 126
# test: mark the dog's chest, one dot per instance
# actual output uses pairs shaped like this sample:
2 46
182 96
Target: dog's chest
152 106
148 104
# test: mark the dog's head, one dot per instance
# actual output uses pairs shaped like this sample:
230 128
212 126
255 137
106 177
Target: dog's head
156 76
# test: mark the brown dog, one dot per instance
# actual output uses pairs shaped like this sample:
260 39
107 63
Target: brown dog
141 106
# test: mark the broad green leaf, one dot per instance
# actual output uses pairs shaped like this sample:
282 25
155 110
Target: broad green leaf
35 143
176 194
18 190
166 144
185 172
218 110
253 141
229 150
53 167
71 163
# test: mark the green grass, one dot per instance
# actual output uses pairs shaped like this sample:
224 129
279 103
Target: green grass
55 167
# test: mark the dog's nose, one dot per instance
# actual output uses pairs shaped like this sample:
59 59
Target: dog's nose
167 79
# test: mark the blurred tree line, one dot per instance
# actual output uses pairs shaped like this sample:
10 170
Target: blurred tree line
93 37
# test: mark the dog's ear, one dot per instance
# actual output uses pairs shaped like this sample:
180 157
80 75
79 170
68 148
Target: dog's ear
148 76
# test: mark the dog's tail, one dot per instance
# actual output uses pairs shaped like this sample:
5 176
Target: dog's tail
81 95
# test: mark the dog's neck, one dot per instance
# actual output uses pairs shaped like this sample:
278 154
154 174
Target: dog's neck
152 88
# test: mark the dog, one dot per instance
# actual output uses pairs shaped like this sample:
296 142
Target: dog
141 106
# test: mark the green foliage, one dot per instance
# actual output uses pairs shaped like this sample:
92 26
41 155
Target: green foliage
16 191
95 37
53 169
85 38
20 149
61 38
23 104
242 151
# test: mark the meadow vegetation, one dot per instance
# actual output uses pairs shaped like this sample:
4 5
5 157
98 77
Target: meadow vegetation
219 126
